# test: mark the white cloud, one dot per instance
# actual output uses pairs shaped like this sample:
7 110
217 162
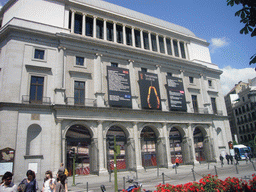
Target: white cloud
232 76
218 43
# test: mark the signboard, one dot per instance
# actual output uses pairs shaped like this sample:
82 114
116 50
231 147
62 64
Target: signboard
6 160
176 94
149 91
119 89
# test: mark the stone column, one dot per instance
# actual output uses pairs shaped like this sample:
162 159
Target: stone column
149 41
205 97
94 26
157 43
137 146
57 145
173 52
161 89
191 146
141 39
186 50
124 35
72 20
114 30
167 144
59 77
178 42
102 168
105 29
99 95
133 85
165 46
133 37
84 24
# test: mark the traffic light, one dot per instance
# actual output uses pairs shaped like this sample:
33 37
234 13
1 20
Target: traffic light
72 152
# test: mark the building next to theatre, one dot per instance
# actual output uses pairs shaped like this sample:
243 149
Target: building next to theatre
75 73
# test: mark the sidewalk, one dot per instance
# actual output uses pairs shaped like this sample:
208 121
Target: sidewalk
152 177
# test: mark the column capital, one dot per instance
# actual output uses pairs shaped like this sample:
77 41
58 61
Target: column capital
73 10
130 61
94 17
135 123
62 47
98 54
100 121
114 22
84 14
182 71
158 66
58 120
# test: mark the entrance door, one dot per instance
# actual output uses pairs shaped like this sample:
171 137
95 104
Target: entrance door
78 143
199 145
175 145
148 147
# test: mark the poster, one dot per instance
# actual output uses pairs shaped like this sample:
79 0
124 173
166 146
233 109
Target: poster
6 160
149 91
119 89
176 94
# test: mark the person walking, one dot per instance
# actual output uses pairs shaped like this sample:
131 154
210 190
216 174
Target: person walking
177 162
7 184
61 184
29 184
221 159
231 159
49 182
227 157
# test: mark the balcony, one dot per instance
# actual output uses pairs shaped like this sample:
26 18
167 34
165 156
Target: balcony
44 101
81 102
201 111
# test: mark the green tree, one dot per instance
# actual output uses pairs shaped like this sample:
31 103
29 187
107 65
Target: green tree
248 17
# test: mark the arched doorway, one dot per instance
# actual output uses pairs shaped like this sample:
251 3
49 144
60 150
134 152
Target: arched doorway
175 138
148 147
78 140
199 144
120 140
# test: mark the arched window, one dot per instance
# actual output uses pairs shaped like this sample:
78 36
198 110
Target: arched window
34 140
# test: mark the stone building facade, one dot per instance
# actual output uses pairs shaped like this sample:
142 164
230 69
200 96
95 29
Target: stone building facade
74 73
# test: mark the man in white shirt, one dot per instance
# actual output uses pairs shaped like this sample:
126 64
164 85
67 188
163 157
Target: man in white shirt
7 185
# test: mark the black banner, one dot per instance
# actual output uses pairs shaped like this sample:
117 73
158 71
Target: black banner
176 94
119 89
149 91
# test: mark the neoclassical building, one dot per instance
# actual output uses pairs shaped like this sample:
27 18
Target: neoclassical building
75 73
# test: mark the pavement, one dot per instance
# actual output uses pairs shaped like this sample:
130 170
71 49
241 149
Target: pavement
152 177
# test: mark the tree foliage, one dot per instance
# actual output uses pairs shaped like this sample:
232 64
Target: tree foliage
248 17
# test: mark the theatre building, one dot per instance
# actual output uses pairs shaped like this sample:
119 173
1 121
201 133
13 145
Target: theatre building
75 73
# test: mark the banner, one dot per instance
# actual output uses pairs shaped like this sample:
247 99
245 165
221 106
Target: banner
176 94
149 91
119 89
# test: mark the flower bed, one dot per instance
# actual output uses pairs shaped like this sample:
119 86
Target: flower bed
211 183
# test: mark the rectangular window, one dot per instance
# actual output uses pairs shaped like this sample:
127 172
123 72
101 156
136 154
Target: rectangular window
214 107
79 93
194 103
169 46
89 26
99 29
69 19
137 38
80 61
169 74
176 51
191 79
36 89
153 41
114 64
110 31
39 54
161 45
128 32
78 24
144 69
210 83
119 33
182 50
145 40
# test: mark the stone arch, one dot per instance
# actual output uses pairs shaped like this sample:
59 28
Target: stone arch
91 131
199 135
34 140
124 129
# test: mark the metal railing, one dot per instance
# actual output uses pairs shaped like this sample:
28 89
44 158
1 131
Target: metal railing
81 102
45 100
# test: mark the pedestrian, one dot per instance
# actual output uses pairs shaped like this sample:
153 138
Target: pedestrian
231 159
49 182
250 157
177 161
61 169
7 184
221 159
61 184
227 157
29 184
246 157
236 158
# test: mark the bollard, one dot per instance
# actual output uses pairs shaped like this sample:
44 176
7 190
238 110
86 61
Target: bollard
222 164
87 187
163 178
136 174
236 169
253 166
109 176
175 169
208 165
157 171
194 177
124 183
216 173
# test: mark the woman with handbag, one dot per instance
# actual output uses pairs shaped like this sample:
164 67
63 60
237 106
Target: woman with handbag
29 184
49 182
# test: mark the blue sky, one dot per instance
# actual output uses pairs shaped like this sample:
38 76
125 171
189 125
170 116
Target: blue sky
211 20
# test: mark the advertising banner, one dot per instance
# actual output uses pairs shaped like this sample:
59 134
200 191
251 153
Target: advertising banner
176 94
149 91
119 89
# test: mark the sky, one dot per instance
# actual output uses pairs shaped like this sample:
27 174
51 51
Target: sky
211 20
